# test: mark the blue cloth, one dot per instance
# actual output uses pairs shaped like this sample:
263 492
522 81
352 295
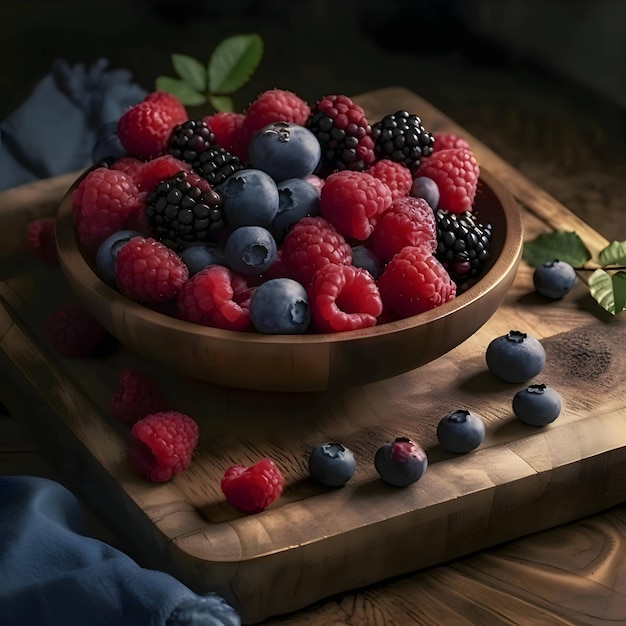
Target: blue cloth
52 573
54 131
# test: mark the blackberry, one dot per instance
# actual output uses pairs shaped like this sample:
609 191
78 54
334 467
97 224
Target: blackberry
216 164
343 131
184 209
190 139
462 244
401 137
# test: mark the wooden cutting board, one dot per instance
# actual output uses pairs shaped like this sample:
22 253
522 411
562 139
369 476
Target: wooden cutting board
314 542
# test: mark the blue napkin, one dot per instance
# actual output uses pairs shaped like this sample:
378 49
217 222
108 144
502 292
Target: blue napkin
52 573
54 131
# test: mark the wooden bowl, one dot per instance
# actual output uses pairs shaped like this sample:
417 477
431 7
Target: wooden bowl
312 362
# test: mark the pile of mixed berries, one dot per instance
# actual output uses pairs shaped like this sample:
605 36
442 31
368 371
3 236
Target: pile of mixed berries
287 218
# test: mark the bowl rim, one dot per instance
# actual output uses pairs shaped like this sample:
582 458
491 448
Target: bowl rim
69 253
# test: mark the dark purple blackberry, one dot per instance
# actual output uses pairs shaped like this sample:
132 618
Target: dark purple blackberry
462 244
343 131
216 164
401 137
190 139
184 209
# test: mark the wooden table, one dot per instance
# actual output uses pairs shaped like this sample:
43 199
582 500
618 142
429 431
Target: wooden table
455 525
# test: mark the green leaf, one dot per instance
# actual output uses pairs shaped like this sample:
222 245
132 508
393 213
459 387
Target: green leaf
221 103
191 71
181 90
608 291
233 62
563 245
613 254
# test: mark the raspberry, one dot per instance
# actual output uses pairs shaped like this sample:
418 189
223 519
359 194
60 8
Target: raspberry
395 175
344 134
414 281
254 488
407 222
227 129
163 444
456 173
129 165
310 244
343 297
217 297
102 203
148 271
445 141
352 202
73 332
40 241
278 269
145 128
315 181
151 173
136 396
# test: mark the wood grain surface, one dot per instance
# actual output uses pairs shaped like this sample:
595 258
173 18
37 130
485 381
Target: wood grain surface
313 542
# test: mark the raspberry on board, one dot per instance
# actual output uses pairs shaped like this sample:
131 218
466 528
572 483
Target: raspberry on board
252 489
353 201
456 173
395 175
138 394
217 297
148 271
163 444
310 244
227 128
343 297
408 222
40 241
445 141
414 281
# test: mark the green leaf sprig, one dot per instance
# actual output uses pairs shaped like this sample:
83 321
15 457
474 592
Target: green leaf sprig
232 63
607 281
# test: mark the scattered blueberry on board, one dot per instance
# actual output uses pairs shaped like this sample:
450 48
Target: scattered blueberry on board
250 250
537 405
460 431
280 306
400 462
332 464
515 357
554 279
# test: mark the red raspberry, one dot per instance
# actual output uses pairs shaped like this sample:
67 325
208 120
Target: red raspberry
152 172
40 241
275 105
145 128
254 488
395 175
73 332
163 444
148 271
445 141
315 181
456 173
310 244
353 201
130 165
279 268
414 281
408 222
343 297
137 395
227 127
217 297
102 203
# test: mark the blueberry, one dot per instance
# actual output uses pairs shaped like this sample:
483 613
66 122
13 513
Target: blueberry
249 198
554 279
280 306
209 610
400 462
331 464
364 258
296 199
537 405
108 144
105 256
515 357
198 257
426 188
250 250
460 431
285 150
